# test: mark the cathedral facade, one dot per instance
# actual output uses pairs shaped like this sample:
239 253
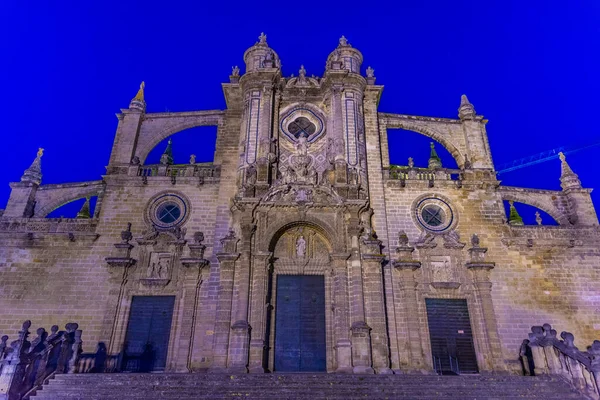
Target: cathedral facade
300 248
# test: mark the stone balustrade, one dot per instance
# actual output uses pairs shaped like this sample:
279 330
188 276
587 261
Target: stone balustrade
400 175
49 225
545 354
25 364
205 172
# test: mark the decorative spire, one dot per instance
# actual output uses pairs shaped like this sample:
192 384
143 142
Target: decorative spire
167 156
466 111
33 174
514 218
434 159
568 178
138 101
85 209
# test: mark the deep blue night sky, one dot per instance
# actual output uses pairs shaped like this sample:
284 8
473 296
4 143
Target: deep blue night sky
532 70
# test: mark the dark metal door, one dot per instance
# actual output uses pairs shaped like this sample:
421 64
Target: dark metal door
451 336
148 331
300 323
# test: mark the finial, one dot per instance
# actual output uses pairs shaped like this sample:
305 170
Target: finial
538 217
466 111
343 41
370 72
411 162
193 159
85 209
138 101
235 75
514 218
568 178
370 76
167 156
434 159
262 39
475 240
33 174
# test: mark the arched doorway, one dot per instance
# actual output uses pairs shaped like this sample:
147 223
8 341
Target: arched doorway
300 319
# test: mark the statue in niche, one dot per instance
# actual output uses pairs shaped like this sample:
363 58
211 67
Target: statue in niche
301 247
251 175
302 145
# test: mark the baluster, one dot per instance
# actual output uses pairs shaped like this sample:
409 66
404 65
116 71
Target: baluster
11 377
3 347
76 349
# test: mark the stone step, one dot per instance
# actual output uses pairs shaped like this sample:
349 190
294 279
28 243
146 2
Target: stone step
300 386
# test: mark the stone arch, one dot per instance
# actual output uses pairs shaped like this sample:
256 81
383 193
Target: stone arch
156 129
540 201
430 129
49 198
274 234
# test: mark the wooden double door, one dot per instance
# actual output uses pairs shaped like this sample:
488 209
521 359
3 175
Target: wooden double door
300 344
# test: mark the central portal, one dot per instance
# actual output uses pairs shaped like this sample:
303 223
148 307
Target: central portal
300 324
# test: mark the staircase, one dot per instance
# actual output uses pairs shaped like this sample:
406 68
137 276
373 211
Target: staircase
301 386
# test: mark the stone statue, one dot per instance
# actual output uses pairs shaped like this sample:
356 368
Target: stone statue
301 247
402 239
235 71
262 38
302 72
199 237
269 56
370 72
411 162
193 159
302 145
343 41
475 240
538 218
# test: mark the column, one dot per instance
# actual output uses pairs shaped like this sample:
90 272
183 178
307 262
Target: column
193 265
483 292
240 327
261 263
372 260
343 345
407 284
227 258
361 331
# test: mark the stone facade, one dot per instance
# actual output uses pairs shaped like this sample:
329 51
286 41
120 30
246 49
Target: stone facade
301 184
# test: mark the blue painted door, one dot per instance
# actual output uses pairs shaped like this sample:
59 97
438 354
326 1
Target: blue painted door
300 324
148 331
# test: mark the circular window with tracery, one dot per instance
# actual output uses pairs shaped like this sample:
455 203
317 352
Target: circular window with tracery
434 214
302 120
167 210
301 125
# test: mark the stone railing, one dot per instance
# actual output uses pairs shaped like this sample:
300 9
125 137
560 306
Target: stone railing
544 354
201 171
403 173
68 226
25 365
